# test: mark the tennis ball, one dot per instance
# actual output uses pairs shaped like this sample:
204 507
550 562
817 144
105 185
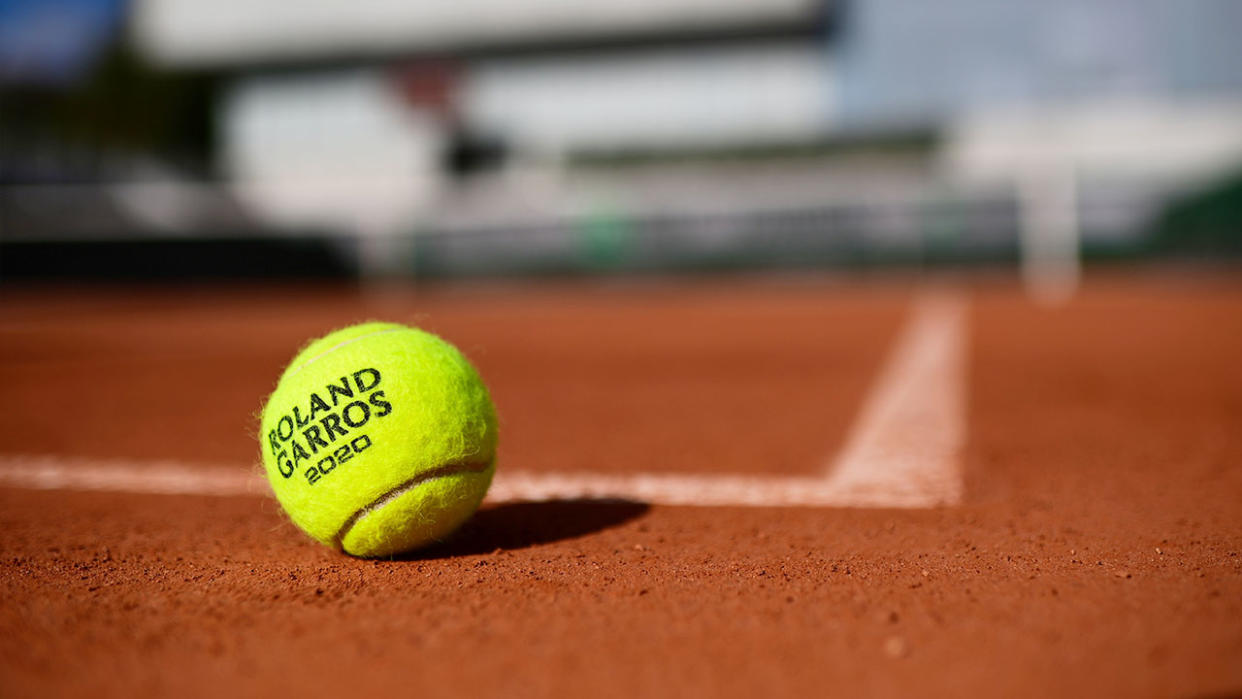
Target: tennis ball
379 438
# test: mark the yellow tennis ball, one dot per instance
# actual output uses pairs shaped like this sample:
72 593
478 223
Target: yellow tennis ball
379 438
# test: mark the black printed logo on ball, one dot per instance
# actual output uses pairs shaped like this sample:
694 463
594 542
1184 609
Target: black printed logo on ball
327 422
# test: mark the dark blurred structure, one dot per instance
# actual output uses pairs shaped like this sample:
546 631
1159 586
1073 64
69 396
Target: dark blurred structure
486 137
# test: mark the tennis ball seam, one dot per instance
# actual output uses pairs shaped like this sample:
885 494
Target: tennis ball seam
445 471
338 346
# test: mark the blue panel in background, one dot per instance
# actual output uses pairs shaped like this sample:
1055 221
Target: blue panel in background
54 42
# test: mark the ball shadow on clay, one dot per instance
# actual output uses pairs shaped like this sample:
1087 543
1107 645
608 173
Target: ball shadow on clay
522 525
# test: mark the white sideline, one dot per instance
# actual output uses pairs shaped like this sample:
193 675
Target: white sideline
902 452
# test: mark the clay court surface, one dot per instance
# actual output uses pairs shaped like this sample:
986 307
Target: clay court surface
1056 508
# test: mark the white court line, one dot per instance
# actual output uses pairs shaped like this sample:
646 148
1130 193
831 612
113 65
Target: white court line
902 452
907 441
116 475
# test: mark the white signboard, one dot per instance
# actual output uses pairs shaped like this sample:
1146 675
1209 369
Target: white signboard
230 32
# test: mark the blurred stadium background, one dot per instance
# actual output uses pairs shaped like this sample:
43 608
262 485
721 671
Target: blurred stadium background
444 138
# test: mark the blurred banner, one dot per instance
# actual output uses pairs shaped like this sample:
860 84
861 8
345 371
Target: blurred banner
239 31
